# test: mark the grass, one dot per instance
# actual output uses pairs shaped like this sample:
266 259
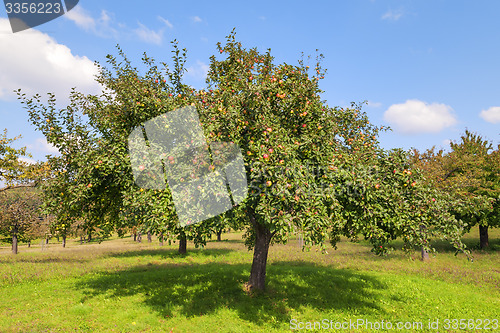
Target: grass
123 286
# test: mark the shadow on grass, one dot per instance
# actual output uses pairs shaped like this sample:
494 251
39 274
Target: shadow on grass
443 246
39 260
471 243
170 253
201 289
231 241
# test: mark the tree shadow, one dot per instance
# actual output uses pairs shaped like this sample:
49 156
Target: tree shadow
443 246
41 260
169 253
199 289
472 243
223 240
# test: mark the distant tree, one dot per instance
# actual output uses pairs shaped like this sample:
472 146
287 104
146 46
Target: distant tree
19 201
470 174
19 216
12 169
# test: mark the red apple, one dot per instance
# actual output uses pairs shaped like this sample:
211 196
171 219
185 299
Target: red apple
266 156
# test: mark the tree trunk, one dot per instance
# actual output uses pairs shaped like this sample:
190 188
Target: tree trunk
182 243
46 240
219 234
483 237
425 255
161 239
135 236
139 237
64 241
81 239
149 237
14 240
29 243
90 236
263 237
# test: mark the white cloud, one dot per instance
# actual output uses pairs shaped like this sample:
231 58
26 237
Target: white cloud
41 145
415 116
372 104
27 160
196 19
105 26
167 22
492 115
82 18
393 15
198 71
149 36
36 63
101 26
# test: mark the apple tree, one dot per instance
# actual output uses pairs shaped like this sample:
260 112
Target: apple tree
312 168
93 177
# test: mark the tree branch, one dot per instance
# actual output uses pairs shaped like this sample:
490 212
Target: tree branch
10 187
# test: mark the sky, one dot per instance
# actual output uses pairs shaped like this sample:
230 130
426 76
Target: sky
428 69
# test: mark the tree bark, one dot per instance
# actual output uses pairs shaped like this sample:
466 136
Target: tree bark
135 236
64 241
219 234
46 240
90 236
139 237
263 235
483 237
81 240
161 239
182 243
29 243
14 240
149 237
425 255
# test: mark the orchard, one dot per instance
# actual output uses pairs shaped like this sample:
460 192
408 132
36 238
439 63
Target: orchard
311 169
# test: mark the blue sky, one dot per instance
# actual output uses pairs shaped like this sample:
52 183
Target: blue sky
429 69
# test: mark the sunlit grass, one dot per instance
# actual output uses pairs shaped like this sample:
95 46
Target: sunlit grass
124 286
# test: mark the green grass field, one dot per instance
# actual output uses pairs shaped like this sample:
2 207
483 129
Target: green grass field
123 286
